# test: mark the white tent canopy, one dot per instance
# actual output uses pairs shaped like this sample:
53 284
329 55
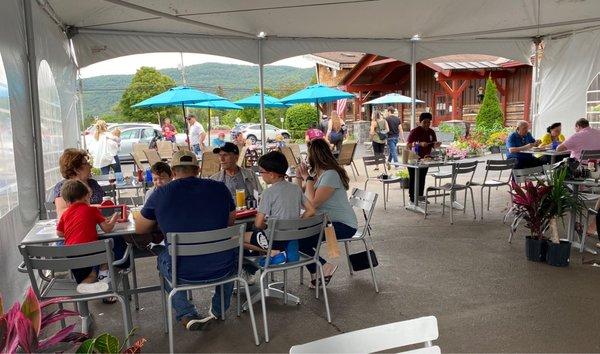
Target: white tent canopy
97 30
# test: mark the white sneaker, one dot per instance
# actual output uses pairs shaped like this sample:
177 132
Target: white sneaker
104 279
92 288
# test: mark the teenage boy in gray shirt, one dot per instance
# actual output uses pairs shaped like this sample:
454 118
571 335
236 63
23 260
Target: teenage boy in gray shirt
282 200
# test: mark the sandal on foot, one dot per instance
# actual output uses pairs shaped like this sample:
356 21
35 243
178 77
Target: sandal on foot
109 300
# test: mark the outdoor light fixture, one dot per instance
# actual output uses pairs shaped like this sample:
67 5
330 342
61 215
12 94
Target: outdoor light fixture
261 34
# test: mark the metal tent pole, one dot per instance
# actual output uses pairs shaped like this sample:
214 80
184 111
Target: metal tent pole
413 85
38 155
535 104
262 97
208 134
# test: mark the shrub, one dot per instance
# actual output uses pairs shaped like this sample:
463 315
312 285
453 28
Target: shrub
490 115
497 138
457 130
300 116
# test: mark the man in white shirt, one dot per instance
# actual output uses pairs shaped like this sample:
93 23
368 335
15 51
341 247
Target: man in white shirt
197 134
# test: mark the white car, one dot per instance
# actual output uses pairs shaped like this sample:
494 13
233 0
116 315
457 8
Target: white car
253 132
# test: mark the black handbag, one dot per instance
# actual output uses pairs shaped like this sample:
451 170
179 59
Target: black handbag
360 261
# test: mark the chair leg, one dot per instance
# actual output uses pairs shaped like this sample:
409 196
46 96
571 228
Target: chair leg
403 196
126 297
285 287
443 203
452 197
251 310
239 298
126 318
354 165
222 291
384 198
136 298
189 295
301 275
170 320
465 202
263 303
481 199
426 197
320 270
348 258
489 196
63 323
371 266
473 203
163 297
353 174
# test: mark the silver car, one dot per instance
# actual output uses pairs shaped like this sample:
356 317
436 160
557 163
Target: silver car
137 134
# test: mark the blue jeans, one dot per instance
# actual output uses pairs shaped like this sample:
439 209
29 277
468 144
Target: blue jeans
196 149
392 142
307 245
115 166
183 307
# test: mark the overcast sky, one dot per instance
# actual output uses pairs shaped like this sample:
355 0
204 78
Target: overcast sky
129 64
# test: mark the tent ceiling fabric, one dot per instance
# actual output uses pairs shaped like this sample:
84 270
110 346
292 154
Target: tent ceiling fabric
309 26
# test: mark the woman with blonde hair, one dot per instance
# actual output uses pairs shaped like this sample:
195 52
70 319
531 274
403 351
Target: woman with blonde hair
378 132
336 131
104 149
325 184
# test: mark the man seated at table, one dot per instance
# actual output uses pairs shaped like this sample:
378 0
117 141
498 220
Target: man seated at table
522 140
425 138
234 176
191 204
161 175
585 138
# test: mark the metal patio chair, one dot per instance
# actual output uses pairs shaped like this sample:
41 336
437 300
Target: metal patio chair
458 169
191 244
489 183
389 336
210 164
346 157
38 259
365 202
288 230
152 156
385 183
165 149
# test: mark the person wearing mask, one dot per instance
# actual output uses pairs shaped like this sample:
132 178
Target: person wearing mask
522 140
168 130
192 204
424 137
378 132
234 176
197 135
394 133
585 138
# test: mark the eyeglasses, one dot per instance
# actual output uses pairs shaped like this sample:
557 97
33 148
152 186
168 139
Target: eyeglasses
262 172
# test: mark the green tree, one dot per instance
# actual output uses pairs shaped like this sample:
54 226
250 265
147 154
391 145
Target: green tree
146 82
490 117
299 117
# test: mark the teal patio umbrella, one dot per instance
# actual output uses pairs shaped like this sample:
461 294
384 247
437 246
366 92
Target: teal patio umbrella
178 96
316 94
254 101
221 104
392 98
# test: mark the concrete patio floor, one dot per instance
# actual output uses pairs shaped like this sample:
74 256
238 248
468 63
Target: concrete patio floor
486 296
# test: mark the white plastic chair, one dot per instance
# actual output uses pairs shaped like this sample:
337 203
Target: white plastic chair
421 330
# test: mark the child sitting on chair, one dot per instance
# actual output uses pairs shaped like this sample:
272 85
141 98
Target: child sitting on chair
78 225
282 200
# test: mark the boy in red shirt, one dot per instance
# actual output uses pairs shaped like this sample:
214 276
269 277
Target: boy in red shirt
78 225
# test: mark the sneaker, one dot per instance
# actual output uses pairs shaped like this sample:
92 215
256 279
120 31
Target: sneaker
249 278
92 288
279 258
104 278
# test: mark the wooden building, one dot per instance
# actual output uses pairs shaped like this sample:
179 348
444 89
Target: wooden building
449 85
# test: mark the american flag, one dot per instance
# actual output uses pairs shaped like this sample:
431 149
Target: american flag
341 107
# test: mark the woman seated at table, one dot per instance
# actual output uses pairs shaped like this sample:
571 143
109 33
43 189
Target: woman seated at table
325 184
553 137
75 164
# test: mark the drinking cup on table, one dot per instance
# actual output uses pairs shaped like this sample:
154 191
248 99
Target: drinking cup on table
240 198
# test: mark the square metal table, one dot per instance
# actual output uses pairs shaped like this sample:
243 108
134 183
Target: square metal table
552 153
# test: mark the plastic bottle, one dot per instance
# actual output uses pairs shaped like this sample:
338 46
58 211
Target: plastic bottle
148 176
417 148
140 176
291 250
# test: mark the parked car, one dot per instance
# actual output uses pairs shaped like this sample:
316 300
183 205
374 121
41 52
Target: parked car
136 134
252 132
238 128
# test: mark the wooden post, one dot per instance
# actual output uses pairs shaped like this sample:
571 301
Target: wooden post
527 103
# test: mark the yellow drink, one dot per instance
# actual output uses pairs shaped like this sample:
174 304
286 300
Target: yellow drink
240 198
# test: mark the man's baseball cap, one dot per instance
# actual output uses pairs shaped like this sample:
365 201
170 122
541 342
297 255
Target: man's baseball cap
228 147
184 158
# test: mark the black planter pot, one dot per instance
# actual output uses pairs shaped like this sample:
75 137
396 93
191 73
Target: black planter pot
559 254
535 250
495 149
404 182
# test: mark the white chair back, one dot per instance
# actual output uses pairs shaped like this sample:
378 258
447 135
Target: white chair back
375 339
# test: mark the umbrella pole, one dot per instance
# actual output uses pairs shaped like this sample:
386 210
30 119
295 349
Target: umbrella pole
187 129
208 126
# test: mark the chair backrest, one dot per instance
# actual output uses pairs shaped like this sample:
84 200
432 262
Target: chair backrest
138 163
289 156
374 160
295 150
346 155
463 168
421 330
211 164
183 147
242 158
365 201
295 229
110 190
138 149
64 258
165 149
499 166
589 155
503 151
523 174
152 156
204 243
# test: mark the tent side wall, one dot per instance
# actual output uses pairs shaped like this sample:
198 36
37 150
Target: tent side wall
50 45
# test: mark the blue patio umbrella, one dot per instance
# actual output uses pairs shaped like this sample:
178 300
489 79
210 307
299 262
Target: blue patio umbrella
3 91
392 98
254 101
316 94
178 96
221 104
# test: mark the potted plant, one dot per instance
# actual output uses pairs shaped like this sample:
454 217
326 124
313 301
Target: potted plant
403 175
495 140
560 200
531 201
